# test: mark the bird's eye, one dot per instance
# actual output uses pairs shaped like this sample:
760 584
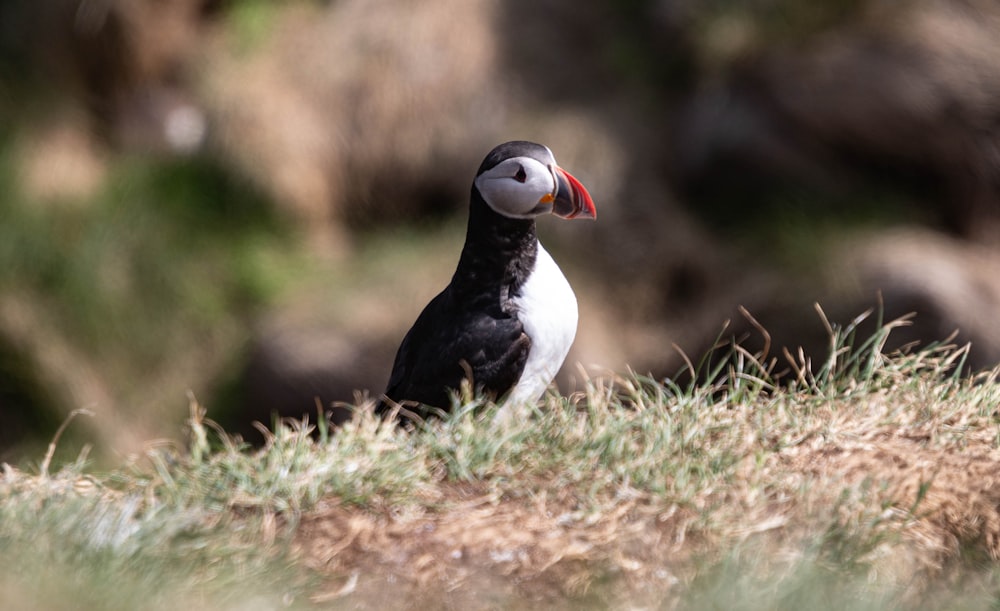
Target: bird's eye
520 176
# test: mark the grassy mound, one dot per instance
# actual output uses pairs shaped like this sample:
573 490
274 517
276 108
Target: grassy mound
865 480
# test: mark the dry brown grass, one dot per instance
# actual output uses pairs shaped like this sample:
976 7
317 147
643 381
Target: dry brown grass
938 502
476 545
896 483
944 496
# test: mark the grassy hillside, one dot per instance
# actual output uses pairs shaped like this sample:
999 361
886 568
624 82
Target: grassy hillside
865 480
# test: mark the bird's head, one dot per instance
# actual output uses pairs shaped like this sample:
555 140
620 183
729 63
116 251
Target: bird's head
521 180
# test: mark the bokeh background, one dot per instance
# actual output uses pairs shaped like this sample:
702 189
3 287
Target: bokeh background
249 201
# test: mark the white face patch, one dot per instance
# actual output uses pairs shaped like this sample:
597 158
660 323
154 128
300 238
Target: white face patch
520 187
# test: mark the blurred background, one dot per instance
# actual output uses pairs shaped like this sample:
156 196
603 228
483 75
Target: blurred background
249 201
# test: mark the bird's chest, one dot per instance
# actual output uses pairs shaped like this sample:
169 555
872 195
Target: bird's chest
546 306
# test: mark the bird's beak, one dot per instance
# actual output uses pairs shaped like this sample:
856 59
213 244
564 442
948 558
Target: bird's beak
571 199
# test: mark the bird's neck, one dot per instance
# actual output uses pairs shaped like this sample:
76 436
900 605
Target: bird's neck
499 251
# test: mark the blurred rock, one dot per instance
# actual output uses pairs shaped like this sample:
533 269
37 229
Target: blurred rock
881 109
129 63
906 96
947 288
362 111
301 368
952 285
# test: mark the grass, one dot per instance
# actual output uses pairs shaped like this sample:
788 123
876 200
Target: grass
864 480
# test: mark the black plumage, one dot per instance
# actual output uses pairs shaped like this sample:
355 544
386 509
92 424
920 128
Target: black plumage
483 340
471 329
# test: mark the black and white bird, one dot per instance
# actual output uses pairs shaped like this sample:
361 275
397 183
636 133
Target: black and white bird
507 319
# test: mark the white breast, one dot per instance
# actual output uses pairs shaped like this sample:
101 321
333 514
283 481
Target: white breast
547 309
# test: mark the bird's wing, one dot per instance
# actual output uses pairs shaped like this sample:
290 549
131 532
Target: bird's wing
448 343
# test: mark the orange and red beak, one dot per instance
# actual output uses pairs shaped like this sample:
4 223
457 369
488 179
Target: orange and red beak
571 199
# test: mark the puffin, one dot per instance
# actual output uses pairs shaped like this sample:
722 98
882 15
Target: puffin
508 317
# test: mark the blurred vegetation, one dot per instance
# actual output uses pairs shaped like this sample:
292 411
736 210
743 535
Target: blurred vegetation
251 20
168 254
164 240
793 226
785 20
